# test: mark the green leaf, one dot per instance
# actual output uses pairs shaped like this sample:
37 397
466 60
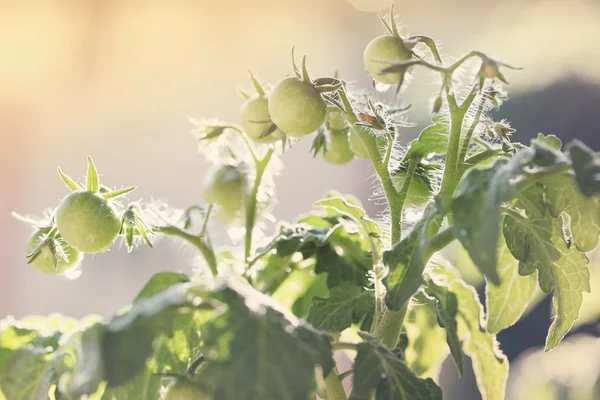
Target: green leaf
347 304
160 282
426 340
586 166
117 351
432 140
28 374
507 302
406 261
562 195
271 354
341 265
550 140
489 363
446 307
477 213
118 192
71 184
380 370
539 244
351 207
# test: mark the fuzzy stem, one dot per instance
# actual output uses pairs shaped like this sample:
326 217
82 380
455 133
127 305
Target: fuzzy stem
197 241
449 179
261 166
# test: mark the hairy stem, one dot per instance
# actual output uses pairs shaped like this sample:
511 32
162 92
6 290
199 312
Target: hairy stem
449 179
439 241
261 166
200 242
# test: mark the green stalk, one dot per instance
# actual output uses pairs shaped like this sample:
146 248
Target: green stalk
261 166
333 386
449 179
196 241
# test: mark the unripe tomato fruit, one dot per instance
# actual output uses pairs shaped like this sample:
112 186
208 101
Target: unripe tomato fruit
382 51
225 185
336 121
338 148
296 107
87 221
357 146
183 389
256 120
419 191
43 262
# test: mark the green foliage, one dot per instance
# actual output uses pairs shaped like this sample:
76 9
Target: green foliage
266 323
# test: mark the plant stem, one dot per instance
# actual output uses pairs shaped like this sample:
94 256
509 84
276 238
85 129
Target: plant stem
449 180
333 386
344 346
261 166
197 241
439 241
469 135
388 329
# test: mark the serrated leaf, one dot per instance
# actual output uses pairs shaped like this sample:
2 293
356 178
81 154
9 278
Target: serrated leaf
539 244
350 207
446 307
563 195
432 140
406 261
426 341
347 304
490 365
378 369
586 166
117 351
28 374
477 213
270 352
507 302
550 140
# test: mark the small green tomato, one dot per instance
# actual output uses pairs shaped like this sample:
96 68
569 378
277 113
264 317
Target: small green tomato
357 146
43 262
419 191
336 121
225 185
382 51
296 107
184 389
338 148
256 120
87 221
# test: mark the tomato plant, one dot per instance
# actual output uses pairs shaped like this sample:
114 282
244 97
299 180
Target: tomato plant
286 298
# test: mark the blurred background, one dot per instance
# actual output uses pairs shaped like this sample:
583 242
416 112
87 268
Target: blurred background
116 79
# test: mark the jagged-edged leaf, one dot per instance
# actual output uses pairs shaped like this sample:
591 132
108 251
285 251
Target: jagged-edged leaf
539 244
117 351
426 341
586 166
379 370
271 353
489 363
160 282
347 304
477 213
562 194
351 207
550 140
433 139
507 302
342 262
446 307
406 261
28 374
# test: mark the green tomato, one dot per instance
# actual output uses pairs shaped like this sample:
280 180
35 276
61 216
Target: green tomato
336 121
225 185
87 221
381 51
256 120
357 146
43 262
419 192
184 389
296 107
338 148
